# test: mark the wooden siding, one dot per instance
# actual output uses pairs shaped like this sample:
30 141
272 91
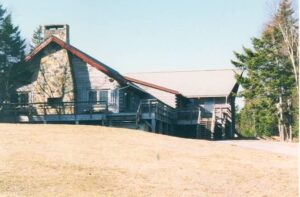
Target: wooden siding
88 78
129 99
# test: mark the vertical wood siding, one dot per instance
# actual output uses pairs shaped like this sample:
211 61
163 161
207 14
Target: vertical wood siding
89 78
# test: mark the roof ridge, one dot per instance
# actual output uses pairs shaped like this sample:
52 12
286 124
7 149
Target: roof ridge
178 71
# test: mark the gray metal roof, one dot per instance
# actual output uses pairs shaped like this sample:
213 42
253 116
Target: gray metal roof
192 84
165 97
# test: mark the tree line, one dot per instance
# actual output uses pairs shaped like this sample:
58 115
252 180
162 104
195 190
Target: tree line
270 80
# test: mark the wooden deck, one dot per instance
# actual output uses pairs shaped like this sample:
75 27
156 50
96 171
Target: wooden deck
151 115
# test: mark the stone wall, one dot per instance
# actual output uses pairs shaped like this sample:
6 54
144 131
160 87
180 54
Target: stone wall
53 80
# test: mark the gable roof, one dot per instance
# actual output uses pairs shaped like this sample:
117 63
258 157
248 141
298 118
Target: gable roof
83 56
193 84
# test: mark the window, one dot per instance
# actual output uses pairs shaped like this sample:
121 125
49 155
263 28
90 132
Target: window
103 96
98 96
208 104
113 97
54 101
93 96
23 98
220 100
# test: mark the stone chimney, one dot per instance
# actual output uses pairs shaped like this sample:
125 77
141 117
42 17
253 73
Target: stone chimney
60 31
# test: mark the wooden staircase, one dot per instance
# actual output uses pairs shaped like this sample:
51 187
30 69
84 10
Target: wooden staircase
214 127
221 120
153 113
203 129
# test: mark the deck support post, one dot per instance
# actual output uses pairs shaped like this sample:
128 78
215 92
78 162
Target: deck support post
167 129
231 131
198 135
153 125
161 127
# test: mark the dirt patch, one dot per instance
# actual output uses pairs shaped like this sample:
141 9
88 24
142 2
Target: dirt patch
60 160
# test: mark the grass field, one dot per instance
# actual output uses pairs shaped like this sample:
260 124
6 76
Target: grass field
61 160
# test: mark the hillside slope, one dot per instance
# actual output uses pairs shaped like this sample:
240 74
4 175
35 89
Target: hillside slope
61 160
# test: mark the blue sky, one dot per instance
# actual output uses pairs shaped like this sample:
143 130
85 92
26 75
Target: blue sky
150 35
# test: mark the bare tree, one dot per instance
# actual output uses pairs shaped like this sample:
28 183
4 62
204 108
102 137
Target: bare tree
287 24
284 22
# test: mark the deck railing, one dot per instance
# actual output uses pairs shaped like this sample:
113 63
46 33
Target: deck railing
188 114
147 106
154 107
193 113
222 110
58 108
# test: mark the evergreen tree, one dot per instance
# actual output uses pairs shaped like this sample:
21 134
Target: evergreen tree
37 37
269 81
11 53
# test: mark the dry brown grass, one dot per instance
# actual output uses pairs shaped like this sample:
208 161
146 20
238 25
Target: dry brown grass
60 160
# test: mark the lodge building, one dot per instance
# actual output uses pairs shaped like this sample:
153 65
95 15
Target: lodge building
67 85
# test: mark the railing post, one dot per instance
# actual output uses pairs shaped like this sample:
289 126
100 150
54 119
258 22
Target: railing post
149 108
44 109
213 124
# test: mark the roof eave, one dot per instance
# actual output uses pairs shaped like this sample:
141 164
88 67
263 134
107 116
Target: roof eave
205 96
152 85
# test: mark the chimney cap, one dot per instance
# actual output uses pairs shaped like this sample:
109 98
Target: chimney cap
60 31
50 26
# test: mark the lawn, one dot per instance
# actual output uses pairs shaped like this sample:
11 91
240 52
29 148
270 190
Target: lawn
66 160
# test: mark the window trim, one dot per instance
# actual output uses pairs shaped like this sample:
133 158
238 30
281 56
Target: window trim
99 97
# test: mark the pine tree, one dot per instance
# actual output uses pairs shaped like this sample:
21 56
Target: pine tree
11 53
269 83
37 37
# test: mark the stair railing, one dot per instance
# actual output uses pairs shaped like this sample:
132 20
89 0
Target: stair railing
199 124
199 116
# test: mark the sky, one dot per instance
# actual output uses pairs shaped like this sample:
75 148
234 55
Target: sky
150 35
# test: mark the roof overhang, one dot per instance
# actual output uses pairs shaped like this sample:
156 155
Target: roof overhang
205 96
152 85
